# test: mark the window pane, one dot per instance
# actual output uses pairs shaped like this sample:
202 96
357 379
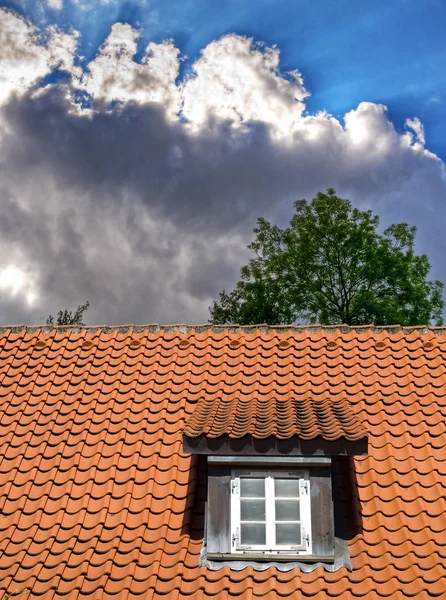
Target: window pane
287 510
255 488
286 488
252 510
288 534
253 534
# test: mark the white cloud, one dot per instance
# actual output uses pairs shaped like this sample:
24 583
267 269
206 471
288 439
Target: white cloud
238 80
22 59
114 75
416 125
88 4
368 128
55 4
25 58
16 282
144 208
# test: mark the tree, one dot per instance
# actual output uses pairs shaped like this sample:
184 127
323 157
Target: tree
332 266
66 317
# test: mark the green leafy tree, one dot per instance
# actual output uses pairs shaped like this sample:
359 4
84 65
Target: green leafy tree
66 317
332 266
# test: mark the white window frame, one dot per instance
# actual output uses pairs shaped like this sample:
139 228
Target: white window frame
270 547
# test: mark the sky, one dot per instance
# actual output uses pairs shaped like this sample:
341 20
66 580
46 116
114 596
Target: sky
140 141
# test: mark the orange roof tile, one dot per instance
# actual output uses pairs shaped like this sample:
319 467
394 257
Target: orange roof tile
98 498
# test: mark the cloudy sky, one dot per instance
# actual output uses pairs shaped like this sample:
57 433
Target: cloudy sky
140 141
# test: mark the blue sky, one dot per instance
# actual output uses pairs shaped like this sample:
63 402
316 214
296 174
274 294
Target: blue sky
386 52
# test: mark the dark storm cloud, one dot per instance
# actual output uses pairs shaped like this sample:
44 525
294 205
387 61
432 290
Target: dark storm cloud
216 178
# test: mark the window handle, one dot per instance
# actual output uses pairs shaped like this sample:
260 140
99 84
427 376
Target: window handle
235 538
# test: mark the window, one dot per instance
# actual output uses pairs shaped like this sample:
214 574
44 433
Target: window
270 512
273 508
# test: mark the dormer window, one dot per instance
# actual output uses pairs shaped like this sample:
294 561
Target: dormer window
276 509
270 485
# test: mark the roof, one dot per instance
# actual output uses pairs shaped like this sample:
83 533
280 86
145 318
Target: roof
282 414
99 500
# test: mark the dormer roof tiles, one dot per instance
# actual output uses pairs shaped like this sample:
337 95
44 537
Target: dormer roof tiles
281 414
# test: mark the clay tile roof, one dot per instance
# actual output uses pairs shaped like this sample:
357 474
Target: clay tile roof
99 500
279 416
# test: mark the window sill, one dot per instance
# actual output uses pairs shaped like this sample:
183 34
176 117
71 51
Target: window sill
264 557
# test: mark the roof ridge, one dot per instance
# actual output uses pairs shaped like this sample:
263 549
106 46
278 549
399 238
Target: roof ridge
232 328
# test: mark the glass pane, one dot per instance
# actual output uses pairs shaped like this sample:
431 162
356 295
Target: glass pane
255 488
286 488
252 510
253 534
287 510
288 534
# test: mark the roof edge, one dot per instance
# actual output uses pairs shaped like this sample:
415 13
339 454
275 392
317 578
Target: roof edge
231 328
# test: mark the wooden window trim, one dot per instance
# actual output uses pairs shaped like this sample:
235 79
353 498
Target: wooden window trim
218 515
